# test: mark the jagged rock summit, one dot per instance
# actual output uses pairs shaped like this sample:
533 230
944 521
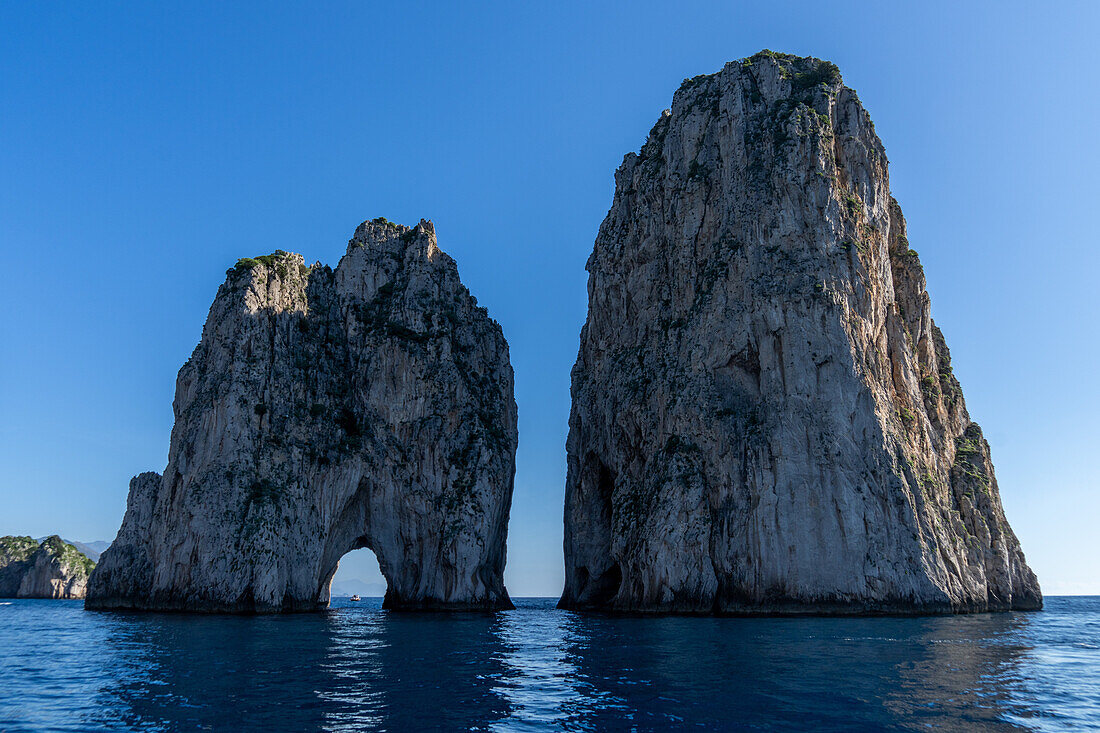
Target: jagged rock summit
46 568
764 415
326 410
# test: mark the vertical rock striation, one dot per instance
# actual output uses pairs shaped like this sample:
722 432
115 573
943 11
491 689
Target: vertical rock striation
50 568
326 410
764 415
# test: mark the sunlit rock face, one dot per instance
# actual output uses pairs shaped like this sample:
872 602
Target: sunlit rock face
323 411
764 415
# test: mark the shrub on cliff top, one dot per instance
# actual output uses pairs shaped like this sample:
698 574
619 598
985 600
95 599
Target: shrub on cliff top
15 548
385 222
825 72
249 263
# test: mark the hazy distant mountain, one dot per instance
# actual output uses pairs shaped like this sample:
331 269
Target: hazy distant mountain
91 550
344 588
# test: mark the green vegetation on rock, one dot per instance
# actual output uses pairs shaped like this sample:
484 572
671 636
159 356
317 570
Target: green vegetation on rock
74 559
383 221
19 549
276 260
14 548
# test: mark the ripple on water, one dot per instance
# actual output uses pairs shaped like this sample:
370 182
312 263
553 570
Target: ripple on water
361 668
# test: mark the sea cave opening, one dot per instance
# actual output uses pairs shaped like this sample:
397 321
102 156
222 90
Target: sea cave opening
357 574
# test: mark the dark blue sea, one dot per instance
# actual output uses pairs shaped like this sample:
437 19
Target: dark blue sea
358 668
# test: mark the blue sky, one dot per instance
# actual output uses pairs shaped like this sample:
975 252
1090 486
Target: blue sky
146 146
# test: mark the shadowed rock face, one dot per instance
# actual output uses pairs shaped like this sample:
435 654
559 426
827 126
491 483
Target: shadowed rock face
51 568
764 416
323 411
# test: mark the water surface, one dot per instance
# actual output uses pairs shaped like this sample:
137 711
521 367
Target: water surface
361 668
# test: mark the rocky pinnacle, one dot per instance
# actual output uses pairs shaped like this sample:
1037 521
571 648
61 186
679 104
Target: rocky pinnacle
764 414
323 411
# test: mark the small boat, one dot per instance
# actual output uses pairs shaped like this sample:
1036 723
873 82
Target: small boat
356 597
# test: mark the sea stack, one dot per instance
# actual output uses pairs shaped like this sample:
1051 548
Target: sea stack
764 416
323 411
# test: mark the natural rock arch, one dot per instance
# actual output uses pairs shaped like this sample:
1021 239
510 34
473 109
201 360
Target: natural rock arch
324 410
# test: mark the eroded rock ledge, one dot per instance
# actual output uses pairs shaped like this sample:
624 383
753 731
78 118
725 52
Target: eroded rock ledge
326 410
764 415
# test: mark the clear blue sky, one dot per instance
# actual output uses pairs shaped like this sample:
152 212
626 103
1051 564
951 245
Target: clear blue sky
144 147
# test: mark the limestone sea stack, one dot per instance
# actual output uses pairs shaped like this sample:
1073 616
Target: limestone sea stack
50 568
764 414
323 411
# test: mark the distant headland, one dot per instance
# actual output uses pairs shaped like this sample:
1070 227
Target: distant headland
45 568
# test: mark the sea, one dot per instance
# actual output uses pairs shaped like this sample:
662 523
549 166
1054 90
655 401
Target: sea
359 668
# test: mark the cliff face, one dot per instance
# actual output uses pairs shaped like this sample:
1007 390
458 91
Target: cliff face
326 410
764 415
47 569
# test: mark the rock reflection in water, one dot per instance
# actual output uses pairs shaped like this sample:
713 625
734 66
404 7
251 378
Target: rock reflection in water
792 673
955 672
174 672
361 668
